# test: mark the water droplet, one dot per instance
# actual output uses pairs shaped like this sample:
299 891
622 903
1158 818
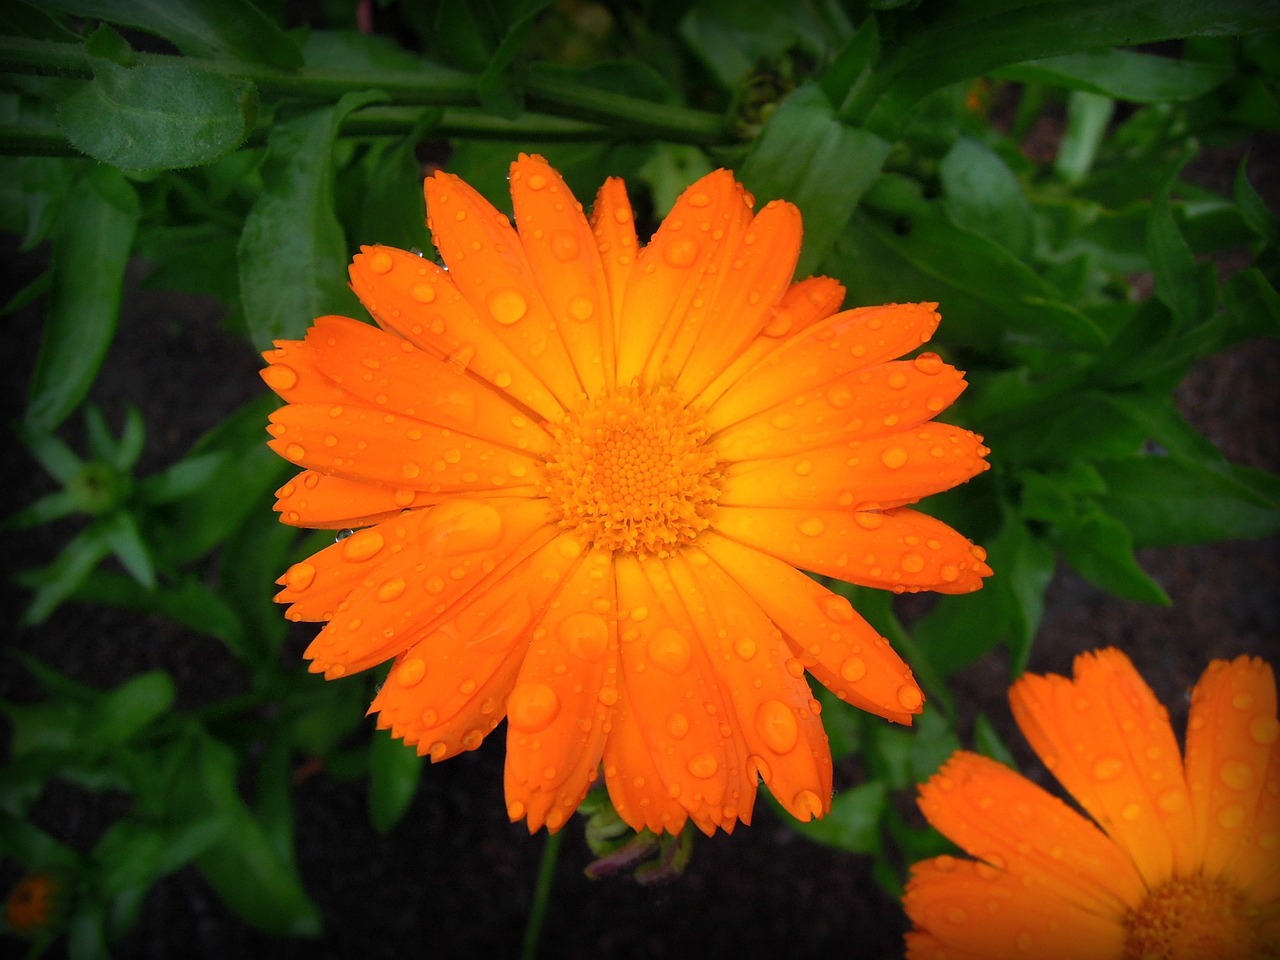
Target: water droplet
698 199
585 635
893 457
670 650
581 308
702 765
777 726
423 292
803 467
836 608
280 377
531 707
507 306
1242 700
1236 774
853 669
409 672
515 810
469 526
1231 816
295 451
807 805
1107 768
410 470
608 696
362 545
677 725
537 181
391 589
912 562
897 380
1131 812
1264 729
472 739
300 576
1024 941
680 252
958 915
909 697
869 519
1172 800
745 648
564 245
782 421
839 396
812 526
379 261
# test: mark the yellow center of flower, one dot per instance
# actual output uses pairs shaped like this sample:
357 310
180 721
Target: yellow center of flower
1196 918
631 472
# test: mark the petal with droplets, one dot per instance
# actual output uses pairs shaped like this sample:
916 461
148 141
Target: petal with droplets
614 229
333 503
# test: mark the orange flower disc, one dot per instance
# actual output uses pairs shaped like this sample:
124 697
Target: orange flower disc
585 476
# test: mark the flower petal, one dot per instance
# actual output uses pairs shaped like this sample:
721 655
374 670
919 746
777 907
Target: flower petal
334 503
890 471
898 549
883 399
823 352
418 300
488 266
663 286
363 443
1107 739
801 305
1001 817
292 373
566 267
636 787
415 568
842 651
449 690
386 372
668 682
984 912
613 226
755 274
558 712
776 714
1231 735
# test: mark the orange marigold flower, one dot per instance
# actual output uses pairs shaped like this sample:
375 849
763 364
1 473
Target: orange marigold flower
1185 865
30 905
587 472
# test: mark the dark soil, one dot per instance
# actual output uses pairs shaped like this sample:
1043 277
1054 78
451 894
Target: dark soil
454 878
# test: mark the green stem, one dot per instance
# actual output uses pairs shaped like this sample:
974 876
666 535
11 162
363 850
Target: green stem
541 896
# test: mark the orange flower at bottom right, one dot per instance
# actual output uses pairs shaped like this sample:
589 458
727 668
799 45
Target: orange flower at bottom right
1181 859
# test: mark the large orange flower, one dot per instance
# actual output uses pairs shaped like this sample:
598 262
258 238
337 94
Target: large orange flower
1186 865
586 473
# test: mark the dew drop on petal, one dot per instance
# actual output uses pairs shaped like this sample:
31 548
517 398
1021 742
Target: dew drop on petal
1264 729
680 252
853 669
912 562
1107 768
515 810
837 608
1172 800
362 545
670 650
391 589
698 199
537 181
807 805
745 648
423 292
409 672
909 697
811 526
507 306
929 363
581 308
702 765
299 576
564 245
894 457
585 635
379 262
280 377
1236 774
677 725
295 451
777 726
531 707
472 739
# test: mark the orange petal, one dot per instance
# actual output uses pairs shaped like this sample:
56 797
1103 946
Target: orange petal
672 692
614 229
292 373
559 710
415 569
1108 741
1257 869
333 503
488 266
891 470
755 273
662 287
1231 735
363 443
566 267
636 787
884 399
983 912
801 305
389 373
823 352
1004 819
842 651
418 300
456 691
898 549
777 715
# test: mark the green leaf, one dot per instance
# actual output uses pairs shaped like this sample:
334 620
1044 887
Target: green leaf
130 854
1254 209
255 554
394 773
59 460
1177 283
806 155
90 251
129 708
184 478
200 28
1100 548
187 601
292 253
988 742
983 195
120 530
1088 115
853 825
59 580
158 117
494 87
1165 500
1122 74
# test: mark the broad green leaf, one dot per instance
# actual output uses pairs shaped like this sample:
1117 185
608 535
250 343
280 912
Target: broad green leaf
1166 500
1177 282
186 601
184 478
1254 209
120 530
806 155
495 89
1100 548
126 710
158 117
1088 115
395 770
983 195
59 460
91 248
380 198
1252 305
57 581
853 825
670 170
201 28
252 558
131 854
292 253
1122 74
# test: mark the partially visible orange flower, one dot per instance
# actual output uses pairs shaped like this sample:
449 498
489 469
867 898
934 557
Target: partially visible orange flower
1186 865
30 905
587 472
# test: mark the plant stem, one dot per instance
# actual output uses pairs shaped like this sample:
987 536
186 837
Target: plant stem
541 896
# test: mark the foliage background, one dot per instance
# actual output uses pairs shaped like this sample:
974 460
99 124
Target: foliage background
1106 275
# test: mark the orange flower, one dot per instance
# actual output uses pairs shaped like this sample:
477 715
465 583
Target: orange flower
30 905
1185 865
587 472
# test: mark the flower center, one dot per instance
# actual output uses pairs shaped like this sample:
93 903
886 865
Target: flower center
1196 918
631 472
